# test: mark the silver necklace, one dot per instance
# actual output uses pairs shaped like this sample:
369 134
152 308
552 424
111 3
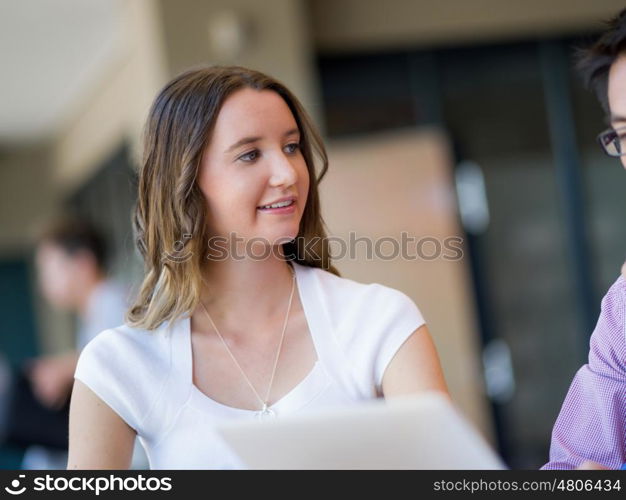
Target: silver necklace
265 411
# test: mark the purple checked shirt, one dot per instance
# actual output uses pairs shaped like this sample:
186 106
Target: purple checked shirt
592 421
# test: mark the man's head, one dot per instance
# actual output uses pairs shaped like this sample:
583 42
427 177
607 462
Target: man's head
70 258
603 67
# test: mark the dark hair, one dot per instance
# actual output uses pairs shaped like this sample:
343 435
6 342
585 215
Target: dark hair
594 61
73 234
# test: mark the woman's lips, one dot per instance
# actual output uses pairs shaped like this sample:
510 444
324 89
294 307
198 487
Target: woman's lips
289 209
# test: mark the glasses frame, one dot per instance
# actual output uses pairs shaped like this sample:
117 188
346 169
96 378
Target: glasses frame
601 138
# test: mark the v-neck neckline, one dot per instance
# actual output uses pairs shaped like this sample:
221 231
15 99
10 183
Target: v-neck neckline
301 394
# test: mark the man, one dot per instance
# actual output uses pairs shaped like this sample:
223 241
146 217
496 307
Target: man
70 261
590 431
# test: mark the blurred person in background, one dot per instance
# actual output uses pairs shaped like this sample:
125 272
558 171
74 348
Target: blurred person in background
590 431
70 261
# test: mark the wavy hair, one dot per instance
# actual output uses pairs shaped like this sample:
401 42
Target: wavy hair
169 219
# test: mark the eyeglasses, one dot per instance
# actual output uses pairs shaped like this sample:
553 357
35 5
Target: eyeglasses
613 141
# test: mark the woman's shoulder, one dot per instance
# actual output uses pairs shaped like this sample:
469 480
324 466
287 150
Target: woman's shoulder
369 323
128 368
349 293
126 346
365 312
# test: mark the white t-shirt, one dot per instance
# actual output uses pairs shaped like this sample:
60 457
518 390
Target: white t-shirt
146 377
106 305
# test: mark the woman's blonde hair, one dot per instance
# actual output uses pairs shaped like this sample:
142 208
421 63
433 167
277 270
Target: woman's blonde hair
170 216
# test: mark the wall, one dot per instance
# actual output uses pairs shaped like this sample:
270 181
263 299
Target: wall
352 25
381 185
275 38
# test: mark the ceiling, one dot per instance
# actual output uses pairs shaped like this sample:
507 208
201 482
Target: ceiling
53 52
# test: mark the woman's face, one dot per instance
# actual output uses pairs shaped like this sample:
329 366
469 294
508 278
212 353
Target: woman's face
253 159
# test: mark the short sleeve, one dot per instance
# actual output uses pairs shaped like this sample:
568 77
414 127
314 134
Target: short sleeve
375 322
402 319
111 366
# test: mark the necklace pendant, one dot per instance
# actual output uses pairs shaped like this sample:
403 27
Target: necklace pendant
265 413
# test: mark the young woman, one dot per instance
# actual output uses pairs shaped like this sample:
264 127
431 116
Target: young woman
241 314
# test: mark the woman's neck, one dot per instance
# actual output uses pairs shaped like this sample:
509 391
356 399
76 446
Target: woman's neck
243 292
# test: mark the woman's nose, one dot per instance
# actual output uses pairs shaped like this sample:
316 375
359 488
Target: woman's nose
283 171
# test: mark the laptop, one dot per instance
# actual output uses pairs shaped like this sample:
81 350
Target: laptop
411 432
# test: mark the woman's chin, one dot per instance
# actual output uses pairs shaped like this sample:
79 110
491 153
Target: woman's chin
280 236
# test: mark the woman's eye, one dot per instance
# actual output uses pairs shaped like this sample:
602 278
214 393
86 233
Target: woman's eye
250 156
293 147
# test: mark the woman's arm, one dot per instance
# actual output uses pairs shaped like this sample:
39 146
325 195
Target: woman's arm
99 437
415 367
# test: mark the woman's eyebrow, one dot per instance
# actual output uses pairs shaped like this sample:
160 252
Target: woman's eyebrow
248 140
241 142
